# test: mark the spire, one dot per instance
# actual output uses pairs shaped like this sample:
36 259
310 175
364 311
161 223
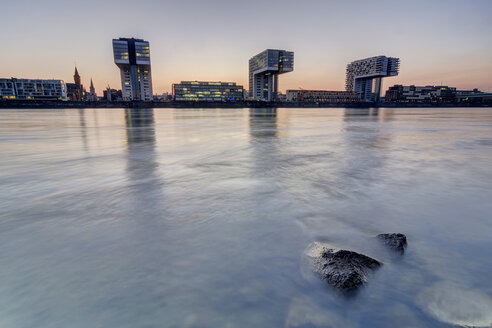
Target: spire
93 91
76 78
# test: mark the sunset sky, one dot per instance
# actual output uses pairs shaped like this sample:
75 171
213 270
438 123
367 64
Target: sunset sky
438 42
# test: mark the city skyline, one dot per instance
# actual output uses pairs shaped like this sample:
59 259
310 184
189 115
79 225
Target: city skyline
213 41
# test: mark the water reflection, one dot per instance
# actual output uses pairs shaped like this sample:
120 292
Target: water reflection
83 129
359 169
142 165
140 127
263 123
361 114
363 131
263 138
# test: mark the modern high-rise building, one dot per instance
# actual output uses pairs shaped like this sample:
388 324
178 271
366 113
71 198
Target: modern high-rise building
364 76
132 56
264 69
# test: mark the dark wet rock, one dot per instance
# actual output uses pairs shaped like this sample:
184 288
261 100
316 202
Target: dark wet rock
396 241
345 270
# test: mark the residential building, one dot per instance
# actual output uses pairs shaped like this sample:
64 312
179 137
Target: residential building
468 92
412 93
7 89
365 76
207 91
132 56
281 97
72 91
264 69
32 89
112 94
323 96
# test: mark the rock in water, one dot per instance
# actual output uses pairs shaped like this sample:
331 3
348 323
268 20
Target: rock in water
345 270
396 241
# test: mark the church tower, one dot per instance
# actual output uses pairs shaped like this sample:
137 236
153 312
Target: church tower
80 88
76 77
92 92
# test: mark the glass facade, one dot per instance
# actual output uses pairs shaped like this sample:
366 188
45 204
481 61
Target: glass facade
207 91
30 89
142 53
120 52
263 73
132 56
364 76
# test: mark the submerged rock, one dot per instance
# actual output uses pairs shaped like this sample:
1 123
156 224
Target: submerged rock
396 241
343 269
457 304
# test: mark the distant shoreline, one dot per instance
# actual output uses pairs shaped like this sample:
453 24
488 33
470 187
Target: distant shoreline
30 104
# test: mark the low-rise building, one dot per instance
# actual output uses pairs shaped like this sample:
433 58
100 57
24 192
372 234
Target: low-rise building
281 97
7 89
112 95
207 91
32 89
473 96
412 93
322 96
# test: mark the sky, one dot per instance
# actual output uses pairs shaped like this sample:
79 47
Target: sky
438 42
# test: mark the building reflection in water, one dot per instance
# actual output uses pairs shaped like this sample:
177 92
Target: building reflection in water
366 141
262 123
143 179
83 129
264 142
140 127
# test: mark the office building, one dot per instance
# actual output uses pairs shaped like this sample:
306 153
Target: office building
32 89
412 93
322 96
365 76
264 69
207 91
132 56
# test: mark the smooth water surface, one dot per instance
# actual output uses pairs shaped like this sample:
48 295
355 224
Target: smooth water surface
200 218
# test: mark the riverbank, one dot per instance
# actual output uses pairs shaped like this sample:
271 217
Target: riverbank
237 104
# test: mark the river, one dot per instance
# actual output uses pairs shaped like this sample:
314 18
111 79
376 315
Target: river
201 218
